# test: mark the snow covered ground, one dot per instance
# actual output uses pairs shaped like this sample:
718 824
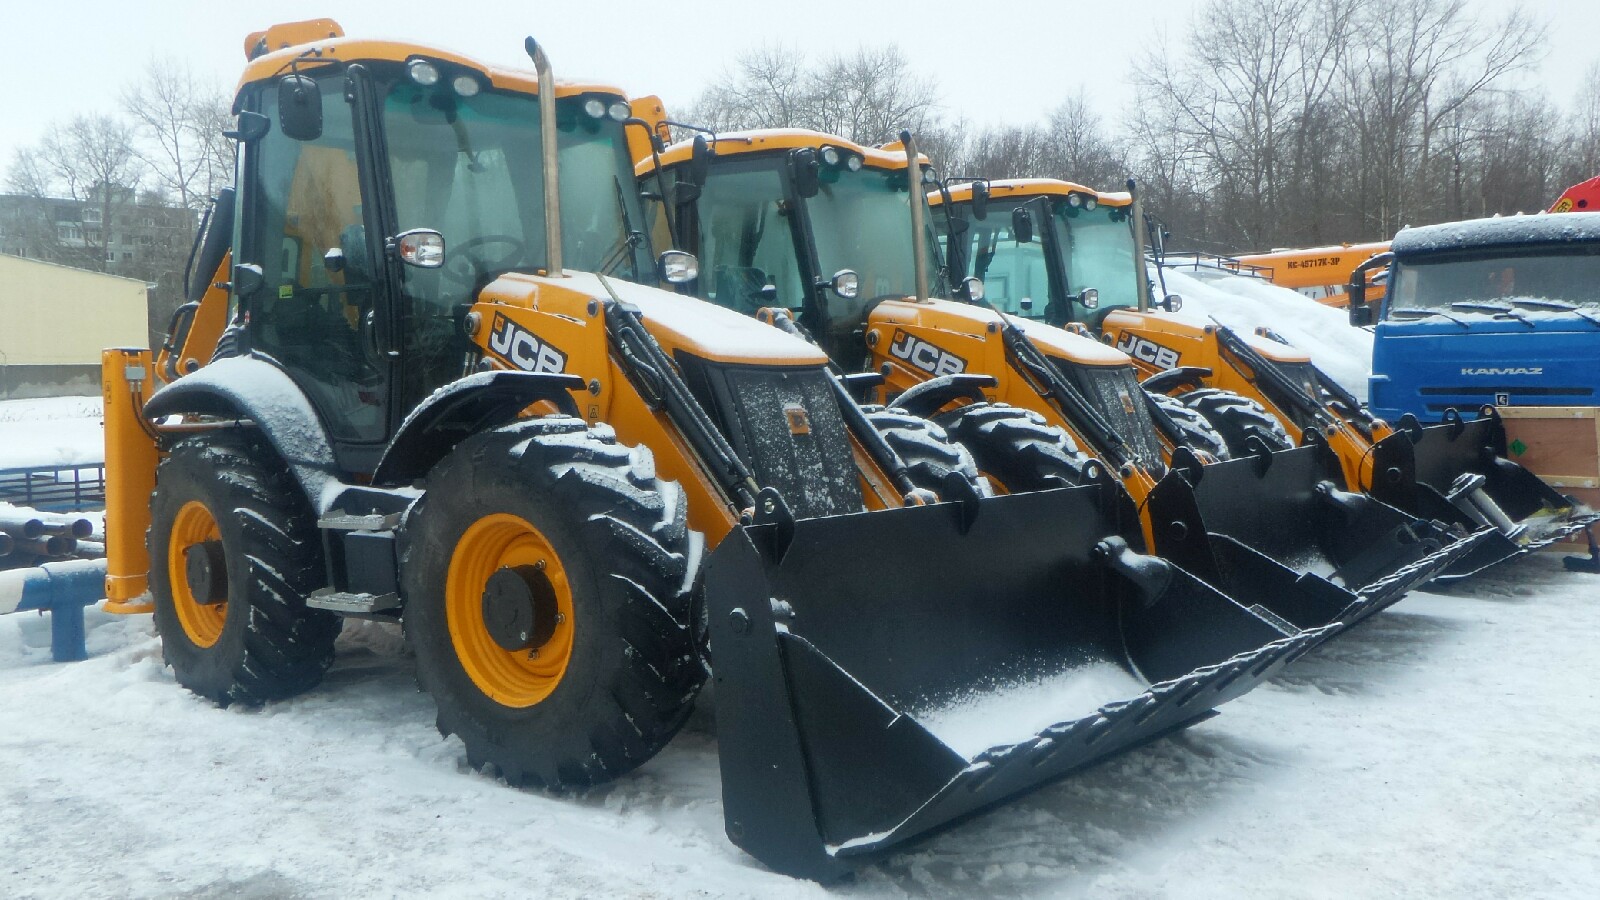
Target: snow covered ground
1445 749
56 431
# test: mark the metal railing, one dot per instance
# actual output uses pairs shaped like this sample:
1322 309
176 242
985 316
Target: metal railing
1198 259
55 489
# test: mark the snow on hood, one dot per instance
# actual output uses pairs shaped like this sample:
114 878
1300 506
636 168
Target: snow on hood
720 332
1243 304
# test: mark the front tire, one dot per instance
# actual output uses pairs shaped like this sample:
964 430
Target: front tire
930 454
1016 448
599 550
1195 430
1238 418
258 641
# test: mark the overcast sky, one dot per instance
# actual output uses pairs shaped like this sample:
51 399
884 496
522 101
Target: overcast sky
1006 62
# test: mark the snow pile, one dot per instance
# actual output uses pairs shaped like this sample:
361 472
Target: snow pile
55 432
1342 351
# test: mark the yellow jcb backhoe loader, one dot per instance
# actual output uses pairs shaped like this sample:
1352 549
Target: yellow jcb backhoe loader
414 383
810 231
1253 387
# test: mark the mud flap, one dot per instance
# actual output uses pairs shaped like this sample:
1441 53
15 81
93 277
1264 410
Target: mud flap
881 675
1456 472
1276 529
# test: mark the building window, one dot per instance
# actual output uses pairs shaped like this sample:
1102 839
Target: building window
127 255
92 214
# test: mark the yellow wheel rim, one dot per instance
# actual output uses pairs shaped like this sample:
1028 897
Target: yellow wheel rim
515 678
202 622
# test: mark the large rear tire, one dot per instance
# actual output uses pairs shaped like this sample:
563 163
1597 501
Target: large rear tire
1238 418
555 525
1017 449
228 493
931 455
1196 430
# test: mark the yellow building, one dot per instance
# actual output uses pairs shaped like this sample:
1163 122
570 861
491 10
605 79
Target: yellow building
55 320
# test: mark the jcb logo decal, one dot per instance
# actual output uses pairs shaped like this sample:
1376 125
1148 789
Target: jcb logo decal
1148 351
521 348
926 356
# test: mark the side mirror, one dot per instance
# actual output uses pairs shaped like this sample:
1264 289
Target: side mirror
1360 316
699 167
804 168
980 200
972 288
333 260
1172 303
299 108
1089 298
1025 304
846 284
248 128
1021 225
247 279
419 247
677 267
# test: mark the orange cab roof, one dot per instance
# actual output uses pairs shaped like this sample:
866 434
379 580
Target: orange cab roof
766 140
1033 187
321 41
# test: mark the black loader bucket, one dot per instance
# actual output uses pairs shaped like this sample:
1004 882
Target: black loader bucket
1277 529
881 675
1457 472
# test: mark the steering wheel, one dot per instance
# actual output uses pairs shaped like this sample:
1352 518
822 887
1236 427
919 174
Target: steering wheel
471 271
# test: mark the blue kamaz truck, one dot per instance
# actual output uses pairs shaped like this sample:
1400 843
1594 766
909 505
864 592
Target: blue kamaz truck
1502 311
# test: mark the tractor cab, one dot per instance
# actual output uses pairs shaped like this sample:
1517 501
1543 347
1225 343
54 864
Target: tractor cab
1046 250
794 219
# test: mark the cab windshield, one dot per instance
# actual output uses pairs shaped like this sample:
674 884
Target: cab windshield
1097 252
1545 279
1100 255
861 221
470 168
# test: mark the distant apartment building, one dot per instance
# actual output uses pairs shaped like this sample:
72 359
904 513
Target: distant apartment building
119 232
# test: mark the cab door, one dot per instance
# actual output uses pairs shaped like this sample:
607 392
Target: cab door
308 221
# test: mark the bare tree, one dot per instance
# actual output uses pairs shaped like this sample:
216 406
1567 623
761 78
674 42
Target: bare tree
1415 65
179 120
89 160
867 96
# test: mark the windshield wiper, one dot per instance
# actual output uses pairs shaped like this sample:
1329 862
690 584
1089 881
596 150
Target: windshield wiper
1423 312
1500 310
625 245
1558 306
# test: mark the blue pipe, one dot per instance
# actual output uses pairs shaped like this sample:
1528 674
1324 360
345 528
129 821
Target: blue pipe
63 589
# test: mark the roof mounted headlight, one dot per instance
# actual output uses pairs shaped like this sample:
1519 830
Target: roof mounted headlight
1091 201
594 108
423 72
830 155
1075 200
465 85
620 111
853 163
928 175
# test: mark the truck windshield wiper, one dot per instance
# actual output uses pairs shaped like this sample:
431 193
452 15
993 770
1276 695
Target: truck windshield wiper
1500 310
1423 312
1558 306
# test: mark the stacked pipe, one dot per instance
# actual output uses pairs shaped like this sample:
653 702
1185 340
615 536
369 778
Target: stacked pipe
28 538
